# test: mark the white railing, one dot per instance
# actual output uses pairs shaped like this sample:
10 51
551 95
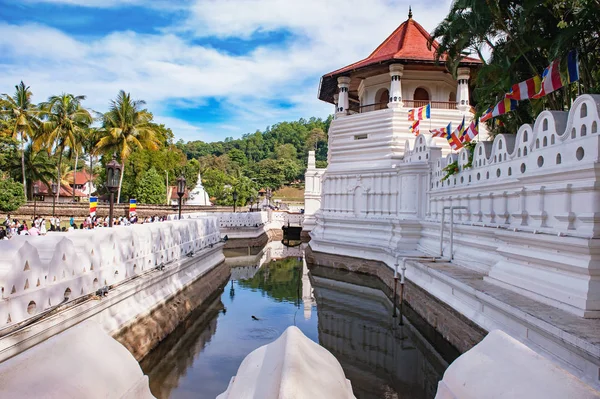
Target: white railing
39 273
542 179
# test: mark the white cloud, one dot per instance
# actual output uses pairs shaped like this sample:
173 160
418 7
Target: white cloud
166 69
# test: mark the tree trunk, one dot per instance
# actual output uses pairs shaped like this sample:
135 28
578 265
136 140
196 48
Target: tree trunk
121 181
91 175
23 164
59 185
75 173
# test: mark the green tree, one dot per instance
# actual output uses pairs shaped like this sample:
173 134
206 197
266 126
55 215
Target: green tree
286 151
127 126
151 189
21 119
65 122
39 166
269 173
89 142
523 36
11 195
238 157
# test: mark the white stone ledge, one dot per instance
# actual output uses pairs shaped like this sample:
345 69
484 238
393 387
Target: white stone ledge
123 305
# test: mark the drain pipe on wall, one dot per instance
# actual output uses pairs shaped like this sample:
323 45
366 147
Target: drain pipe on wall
452 209
403 280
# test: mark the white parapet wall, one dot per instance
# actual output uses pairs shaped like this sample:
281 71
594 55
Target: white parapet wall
532 218
238 224
39 273
312 192
502 367
531 223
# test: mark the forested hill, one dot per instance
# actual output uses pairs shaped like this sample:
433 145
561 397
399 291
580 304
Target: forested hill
272 158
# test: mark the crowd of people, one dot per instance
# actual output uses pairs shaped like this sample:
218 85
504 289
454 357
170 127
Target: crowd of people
39 226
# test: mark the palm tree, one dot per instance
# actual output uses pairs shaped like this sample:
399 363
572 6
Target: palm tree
89 143
22 119
38 167
64 121
127 126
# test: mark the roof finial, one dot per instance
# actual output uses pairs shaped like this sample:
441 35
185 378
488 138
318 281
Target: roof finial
409 12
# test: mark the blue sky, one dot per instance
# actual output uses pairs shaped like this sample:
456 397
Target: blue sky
208 69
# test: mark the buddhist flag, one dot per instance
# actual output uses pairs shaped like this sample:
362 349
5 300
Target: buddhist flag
443 132
454 137
553 79
132 206
470 133
93 205
526 89
504 106
414 128
420 113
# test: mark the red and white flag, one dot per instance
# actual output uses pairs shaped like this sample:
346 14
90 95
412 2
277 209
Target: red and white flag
526 89
414 128
551 80
443 132
470 133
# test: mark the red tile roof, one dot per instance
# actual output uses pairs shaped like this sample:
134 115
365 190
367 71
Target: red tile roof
65 190
82 177
409 42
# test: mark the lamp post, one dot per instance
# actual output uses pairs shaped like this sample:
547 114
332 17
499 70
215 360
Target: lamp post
113 176
54 192
235 197
36 191
180 191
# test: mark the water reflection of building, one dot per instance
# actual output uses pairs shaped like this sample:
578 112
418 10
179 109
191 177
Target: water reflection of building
380 357
307 291
245 265
169 361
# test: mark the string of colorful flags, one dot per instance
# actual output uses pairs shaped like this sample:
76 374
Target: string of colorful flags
555 76
456 138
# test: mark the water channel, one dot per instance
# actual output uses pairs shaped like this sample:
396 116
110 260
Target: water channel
347 313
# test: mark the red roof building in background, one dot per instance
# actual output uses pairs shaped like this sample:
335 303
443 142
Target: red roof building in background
82 181
65 194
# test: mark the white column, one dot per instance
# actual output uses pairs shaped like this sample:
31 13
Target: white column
396 71
336 102
462 91
344 86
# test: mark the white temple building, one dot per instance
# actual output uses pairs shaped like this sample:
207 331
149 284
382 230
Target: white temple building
199 196
520 226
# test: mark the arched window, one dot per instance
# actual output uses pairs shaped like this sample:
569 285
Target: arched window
382 99
452 97
421 97
583 111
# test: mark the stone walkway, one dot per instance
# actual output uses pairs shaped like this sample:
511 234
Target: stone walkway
585 329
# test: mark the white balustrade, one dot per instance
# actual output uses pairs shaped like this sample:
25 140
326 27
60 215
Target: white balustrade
39 273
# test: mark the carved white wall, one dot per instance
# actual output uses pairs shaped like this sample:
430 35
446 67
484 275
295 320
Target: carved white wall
39 273
533 216
312 192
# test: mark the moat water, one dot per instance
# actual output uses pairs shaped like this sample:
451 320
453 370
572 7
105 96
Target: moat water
346 313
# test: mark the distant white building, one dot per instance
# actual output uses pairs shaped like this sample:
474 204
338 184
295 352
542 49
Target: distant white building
198 196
